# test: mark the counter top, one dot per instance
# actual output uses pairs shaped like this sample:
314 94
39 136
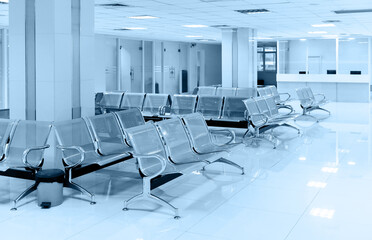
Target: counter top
326 78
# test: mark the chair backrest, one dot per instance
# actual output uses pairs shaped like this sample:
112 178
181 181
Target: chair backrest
304 96
111 100
271 104
225 92
28 134
130 118
310 93
210 106
246 92
262 105
264 91
74 133
253 110
154 102
146 140
107 134
274 92
176 141
198 130
234 108
132 100
6 129
183 104
206 90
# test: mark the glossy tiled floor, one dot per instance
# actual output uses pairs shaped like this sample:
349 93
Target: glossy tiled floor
317 186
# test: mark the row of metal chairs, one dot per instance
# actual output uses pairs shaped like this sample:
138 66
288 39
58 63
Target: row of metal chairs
212 107
310 101
225 91
273 91
172 145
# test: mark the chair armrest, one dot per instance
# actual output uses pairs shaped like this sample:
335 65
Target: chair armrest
287 107
230 132
257 115
76 148
28 150
162 161
323 97
288 96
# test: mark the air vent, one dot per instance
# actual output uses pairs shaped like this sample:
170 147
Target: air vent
113 5
122 29
331 21
353 11
220 26
253 11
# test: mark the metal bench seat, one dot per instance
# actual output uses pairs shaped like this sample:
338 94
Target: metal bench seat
269 91
156 104
24 149
310 101
111 101
132 100
234 109
210 106
183 104
81 147
225 91
246 92
206 90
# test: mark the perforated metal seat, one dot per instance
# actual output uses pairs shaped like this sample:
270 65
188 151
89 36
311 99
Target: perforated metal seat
201 136
6 128
246 92
225 92
271 91
210 106
234 109
111 101
132 100
27 142
156 104
310 102
206 90
183 104
80 148
108 135
152 160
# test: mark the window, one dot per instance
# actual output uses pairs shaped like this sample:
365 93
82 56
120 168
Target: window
266 58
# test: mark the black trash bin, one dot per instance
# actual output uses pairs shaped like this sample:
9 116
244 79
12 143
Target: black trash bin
50 187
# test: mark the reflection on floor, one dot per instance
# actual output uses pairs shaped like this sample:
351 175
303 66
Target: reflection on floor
317 186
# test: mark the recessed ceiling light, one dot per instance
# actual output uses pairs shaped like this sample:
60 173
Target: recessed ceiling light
4 1
324 25
195 26
351 38
252 11
143 17
303 39
206 40
193 36
318 32
135 28
330 36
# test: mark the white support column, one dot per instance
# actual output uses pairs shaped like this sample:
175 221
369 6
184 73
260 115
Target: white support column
227 57
247 57
4 67
239 57
48 60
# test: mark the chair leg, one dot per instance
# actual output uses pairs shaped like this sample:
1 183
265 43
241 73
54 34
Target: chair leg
228 162
293 127
329 113
146 195
24 194
80 189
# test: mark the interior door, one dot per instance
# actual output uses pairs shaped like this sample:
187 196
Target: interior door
126 82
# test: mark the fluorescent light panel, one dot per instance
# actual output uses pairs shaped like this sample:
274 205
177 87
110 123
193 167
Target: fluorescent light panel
195 26
318 32
142 17
193 36
323 25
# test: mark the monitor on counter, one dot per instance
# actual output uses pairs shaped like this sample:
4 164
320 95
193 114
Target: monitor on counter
331 71
302 72
355 72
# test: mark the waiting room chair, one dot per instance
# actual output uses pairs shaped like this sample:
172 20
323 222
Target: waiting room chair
183 104
132 100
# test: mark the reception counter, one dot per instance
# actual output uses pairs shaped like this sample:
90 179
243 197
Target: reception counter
338 87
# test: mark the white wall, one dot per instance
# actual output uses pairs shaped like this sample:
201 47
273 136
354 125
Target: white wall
326 49
176 57
105 63
353 56
297 54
